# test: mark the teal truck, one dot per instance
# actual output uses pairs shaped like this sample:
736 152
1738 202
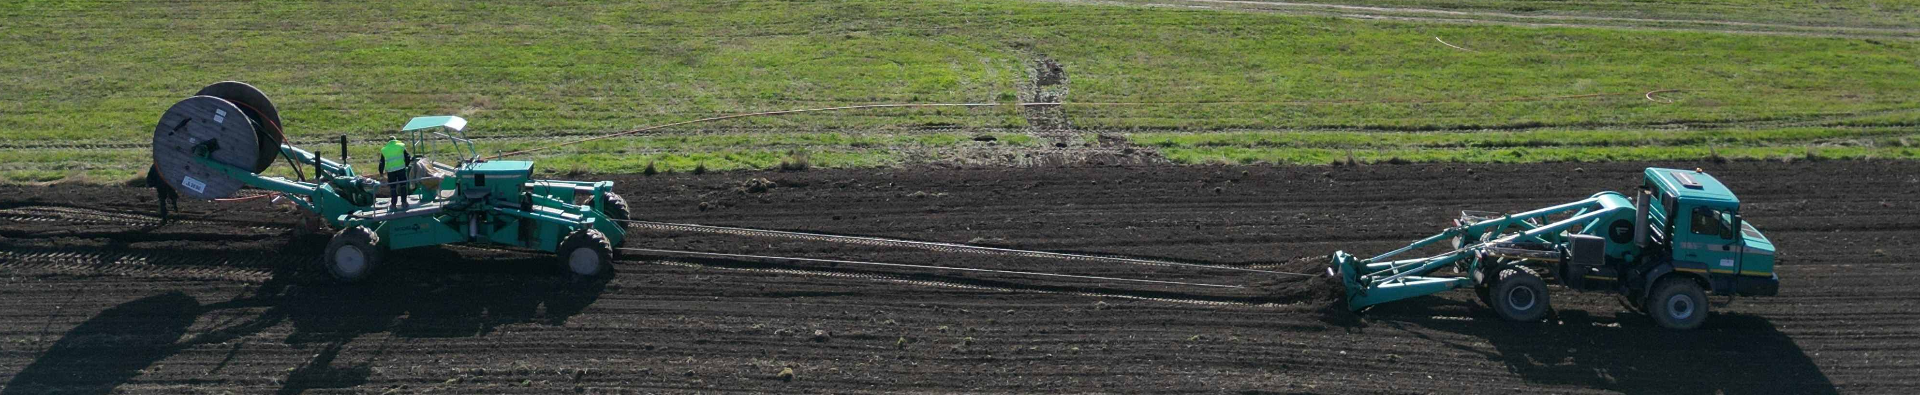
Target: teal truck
1679 238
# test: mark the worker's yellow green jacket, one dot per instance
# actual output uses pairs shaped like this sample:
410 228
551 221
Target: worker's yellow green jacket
394 156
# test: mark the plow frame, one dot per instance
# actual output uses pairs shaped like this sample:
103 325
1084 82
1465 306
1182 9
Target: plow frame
1482 244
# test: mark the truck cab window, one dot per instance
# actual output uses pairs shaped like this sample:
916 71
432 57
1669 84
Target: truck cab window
1712 222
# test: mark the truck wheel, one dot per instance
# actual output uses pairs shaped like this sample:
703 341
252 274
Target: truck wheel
352 254
1520 295
585 253
1677 303
617 208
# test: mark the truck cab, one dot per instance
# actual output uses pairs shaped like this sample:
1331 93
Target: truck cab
1696 219
1693 242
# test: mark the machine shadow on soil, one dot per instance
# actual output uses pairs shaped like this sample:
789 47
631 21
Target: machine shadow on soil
416 299
110 348
1733 354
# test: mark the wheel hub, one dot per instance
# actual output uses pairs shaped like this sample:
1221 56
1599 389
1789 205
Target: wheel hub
1520 298
584 261
1680 306
349 261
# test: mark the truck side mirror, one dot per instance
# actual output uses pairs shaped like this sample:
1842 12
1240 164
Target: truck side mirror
1733 229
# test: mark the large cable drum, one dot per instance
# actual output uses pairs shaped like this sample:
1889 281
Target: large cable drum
259 110
228 127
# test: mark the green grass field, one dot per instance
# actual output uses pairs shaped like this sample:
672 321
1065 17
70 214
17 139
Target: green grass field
1856 17
1535 146
1234 87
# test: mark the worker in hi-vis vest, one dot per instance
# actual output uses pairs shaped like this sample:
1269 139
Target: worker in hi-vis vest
393 161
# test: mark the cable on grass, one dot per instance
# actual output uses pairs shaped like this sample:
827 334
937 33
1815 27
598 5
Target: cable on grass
1651 98
1444 42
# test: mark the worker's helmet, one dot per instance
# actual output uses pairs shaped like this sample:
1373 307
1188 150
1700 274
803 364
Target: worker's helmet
391 138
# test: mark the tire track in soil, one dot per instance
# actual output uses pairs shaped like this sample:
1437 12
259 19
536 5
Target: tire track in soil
466 320
83 263
74 215
1504 18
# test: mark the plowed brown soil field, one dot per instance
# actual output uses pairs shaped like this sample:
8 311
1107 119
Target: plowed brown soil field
96 296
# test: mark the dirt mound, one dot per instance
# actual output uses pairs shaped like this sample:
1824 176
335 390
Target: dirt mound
755 185
1315 289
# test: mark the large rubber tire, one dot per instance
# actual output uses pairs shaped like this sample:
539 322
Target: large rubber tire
618 210
617 207
352 254
1520 295
1677 303
586 253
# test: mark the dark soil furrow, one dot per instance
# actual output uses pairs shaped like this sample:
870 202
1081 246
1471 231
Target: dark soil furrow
222 301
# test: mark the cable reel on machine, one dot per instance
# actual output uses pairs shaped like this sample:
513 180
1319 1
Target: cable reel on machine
228 122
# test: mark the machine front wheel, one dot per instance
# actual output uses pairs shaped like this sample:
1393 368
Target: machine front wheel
617 208
586 253
1520 295
1677 303
352 254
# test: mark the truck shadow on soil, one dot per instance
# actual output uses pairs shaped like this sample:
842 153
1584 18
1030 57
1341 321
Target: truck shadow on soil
1732 354
434 298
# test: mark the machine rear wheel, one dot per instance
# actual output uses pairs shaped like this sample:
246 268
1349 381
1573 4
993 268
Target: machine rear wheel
352 254
1520 295
586 253
1677 303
